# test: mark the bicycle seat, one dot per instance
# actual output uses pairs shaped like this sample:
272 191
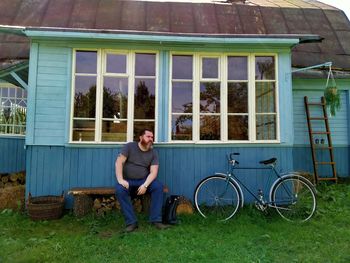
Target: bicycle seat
269 161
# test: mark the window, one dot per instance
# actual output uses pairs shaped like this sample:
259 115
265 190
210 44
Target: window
13 110
223 98
114 95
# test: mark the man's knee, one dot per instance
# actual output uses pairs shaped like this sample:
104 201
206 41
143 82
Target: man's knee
157 186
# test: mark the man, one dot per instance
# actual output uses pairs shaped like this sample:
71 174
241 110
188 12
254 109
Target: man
136 171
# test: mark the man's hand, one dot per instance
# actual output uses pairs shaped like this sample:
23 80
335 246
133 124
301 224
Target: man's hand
124 183
142 190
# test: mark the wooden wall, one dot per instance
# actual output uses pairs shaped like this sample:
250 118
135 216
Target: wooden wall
53 169
12 154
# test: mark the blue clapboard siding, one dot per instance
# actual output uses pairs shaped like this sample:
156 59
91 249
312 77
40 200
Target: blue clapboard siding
51 170
338 124
12 154
53 75
302 160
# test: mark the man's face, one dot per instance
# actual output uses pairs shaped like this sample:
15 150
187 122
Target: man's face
147 139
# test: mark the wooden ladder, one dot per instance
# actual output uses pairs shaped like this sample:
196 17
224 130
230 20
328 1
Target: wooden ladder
314 147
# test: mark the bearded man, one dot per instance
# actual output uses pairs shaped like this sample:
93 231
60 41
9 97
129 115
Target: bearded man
136 172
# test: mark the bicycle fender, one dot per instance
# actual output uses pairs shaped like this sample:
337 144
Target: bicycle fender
291 174
236 184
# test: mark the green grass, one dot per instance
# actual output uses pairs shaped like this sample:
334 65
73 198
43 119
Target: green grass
248 237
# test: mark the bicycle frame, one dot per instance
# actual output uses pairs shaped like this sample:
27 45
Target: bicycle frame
231 176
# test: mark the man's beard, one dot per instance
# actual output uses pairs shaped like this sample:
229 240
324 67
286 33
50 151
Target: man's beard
146 145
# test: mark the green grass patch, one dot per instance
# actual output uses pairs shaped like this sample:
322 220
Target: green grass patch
250 236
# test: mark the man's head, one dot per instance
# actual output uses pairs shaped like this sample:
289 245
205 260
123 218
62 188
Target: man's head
146 138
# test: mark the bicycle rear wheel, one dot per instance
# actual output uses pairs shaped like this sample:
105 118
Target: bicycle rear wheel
294 198
217 197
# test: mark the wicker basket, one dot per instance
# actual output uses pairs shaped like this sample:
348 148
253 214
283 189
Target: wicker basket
45 207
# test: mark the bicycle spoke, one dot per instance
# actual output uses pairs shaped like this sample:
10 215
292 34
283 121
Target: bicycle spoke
217 198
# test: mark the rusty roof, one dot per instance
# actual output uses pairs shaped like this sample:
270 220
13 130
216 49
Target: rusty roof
260 17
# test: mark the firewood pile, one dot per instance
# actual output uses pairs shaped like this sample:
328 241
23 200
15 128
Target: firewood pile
12 191
12 179
102 205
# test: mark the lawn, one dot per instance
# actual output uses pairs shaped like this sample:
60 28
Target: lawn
248 237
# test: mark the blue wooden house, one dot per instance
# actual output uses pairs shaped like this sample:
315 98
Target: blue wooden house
210 78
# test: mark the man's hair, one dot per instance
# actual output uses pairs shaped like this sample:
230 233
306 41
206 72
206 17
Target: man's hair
143 131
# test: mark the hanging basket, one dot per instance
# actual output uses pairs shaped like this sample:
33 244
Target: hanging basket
45 207
332 97
331 94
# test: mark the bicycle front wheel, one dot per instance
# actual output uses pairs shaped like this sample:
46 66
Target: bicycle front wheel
217 197
294 198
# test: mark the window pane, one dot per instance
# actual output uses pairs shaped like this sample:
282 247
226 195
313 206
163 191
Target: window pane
182 97
116 63
265 97
238 127
210 97
182 67
264 68
86 62
85 97
144 99
114 131
83 130
237 97
266 127
210 127
181 127
237 68
210 68
145 65
140 125
115 97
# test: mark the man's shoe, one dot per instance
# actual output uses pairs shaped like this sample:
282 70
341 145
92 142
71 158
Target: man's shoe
160 225
131 228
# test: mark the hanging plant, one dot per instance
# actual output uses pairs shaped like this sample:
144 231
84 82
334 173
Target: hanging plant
332 97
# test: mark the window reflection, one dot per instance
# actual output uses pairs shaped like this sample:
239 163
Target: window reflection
144 99
86 62
145 65
85 97
210 97
114 131
265 97
182 67
237 68
238 127
266 127
116 63
264 68
182 97
210 68
210 127
181 127
237 97
84 130
115 98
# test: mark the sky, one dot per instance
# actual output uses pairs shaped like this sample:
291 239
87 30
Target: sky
341 4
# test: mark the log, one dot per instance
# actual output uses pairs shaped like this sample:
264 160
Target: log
13 177
5 179
184 207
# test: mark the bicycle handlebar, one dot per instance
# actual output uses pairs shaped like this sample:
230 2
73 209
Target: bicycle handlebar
231 159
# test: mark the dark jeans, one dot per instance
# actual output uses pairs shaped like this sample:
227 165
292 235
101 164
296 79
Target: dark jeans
124 197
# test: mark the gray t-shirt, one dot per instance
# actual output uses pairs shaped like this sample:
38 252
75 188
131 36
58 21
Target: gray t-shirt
138 163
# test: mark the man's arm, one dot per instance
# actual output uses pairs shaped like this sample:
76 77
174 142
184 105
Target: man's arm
150 178
119 163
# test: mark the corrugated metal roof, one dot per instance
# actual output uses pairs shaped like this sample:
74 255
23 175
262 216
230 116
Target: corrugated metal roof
216 17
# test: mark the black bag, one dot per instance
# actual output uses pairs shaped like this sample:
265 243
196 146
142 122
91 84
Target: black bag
169 212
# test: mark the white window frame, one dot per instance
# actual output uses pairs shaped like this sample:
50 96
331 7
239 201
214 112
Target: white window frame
100 73
9 85
197 78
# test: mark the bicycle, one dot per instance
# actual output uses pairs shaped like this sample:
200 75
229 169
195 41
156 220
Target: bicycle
220 196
